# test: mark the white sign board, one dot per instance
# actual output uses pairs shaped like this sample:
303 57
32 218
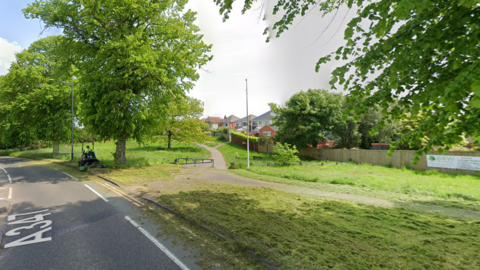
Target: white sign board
454 162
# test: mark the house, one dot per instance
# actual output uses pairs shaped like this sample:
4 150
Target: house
268 131
240 123
228 121
264 119
213 121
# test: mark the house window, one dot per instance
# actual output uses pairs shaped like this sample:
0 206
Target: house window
267 133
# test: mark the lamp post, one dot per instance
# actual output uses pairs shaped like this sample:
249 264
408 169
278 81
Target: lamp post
71 158
248 128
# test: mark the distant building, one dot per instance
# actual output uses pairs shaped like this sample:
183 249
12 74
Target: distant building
240 123
213 121
228 121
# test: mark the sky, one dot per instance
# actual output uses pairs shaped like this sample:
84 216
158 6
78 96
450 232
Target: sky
275 70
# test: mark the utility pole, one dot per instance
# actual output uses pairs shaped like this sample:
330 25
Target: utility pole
248 128
6 136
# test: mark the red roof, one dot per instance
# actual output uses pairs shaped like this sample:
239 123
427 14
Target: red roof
215 119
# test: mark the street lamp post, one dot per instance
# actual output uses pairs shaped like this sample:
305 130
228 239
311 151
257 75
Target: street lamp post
248 128
71 158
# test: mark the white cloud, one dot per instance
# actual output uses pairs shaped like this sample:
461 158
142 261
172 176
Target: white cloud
7 54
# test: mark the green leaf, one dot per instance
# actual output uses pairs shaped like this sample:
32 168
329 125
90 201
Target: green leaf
475 102
348 33
476 88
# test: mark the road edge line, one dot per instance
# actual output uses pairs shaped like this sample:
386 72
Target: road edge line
158 244
70 176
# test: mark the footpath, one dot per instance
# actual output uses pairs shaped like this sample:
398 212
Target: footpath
220 173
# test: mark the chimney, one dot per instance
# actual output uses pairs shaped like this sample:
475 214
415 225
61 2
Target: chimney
225 117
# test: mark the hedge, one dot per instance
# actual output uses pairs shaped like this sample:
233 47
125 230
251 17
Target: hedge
244 137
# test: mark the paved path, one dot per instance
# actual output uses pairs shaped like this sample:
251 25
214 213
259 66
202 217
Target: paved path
220 163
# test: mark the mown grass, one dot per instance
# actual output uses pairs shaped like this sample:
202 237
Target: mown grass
137 154
215 140
143 175
296 232
365 176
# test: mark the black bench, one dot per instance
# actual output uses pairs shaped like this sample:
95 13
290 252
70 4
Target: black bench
258 158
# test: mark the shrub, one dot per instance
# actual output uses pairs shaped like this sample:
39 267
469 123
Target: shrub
264 140
244 137
284 154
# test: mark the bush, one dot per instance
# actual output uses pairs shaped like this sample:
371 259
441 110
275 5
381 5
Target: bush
285 154
224 130
264 140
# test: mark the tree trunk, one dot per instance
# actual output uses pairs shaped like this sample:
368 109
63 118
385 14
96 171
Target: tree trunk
119 155
169 139
22 147
56 148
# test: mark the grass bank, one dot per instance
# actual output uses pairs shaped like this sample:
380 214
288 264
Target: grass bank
233 152
297 232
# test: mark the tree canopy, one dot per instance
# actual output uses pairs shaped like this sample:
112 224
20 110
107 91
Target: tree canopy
37 106
132 55
308 117
183 123
409 57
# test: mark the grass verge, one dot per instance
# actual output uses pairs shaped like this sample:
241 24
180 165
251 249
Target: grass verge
297 232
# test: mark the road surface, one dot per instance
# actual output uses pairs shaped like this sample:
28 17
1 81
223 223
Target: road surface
50 220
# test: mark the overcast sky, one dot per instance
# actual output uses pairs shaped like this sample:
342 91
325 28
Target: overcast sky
274 70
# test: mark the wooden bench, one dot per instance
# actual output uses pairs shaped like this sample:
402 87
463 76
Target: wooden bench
258 158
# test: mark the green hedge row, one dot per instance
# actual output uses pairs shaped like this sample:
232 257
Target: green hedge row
244 137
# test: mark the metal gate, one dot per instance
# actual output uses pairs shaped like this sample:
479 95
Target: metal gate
195 161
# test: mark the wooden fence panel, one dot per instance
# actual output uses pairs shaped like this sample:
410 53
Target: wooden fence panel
398 159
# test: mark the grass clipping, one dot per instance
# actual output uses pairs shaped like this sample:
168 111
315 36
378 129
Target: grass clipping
296 232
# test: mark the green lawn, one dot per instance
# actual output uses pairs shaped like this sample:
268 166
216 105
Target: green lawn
137 155
364 176
298 232
213 141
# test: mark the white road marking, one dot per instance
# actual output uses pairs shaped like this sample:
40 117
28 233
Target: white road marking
96 193
158 244
9 179
10 194
70 176
13 217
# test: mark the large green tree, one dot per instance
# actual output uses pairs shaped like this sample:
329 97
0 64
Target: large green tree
133 55
182 122
37 106
422 53
308 117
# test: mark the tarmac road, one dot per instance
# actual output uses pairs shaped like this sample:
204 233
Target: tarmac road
56 222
